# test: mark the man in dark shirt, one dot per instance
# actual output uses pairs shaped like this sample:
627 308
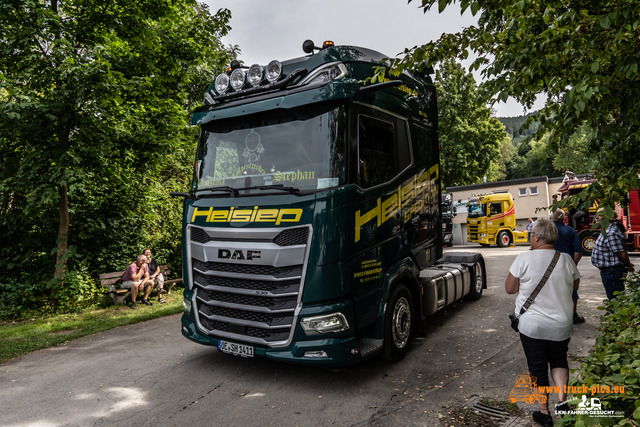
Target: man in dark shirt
154 275
568 243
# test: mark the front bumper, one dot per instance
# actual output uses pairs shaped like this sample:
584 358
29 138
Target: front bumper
339 351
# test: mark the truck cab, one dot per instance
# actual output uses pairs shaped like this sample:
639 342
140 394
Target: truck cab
491 220
311 231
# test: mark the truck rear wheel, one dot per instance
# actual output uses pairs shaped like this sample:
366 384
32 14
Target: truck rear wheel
397 324
504 239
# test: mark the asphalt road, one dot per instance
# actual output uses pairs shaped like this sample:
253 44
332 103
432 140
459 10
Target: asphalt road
149 375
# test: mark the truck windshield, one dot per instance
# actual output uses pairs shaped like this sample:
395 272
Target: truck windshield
477 210
303 149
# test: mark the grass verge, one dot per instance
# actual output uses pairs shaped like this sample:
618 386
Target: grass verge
18 338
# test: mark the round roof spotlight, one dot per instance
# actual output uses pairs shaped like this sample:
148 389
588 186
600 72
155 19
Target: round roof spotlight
274 70
237 79
222 83
255 75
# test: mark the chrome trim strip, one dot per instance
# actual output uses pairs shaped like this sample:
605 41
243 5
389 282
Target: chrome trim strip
252 308
234 337
315 72
256 277
247 292
245 322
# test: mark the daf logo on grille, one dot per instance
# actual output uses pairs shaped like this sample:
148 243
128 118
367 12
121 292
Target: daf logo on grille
238 254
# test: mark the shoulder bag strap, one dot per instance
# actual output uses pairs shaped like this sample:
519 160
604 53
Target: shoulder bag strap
538 288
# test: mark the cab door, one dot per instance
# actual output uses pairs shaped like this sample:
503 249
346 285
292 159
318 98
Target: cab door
494 217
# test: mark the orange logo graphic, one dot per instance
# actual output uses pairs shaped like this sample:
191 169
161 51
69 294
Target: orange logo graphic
526 390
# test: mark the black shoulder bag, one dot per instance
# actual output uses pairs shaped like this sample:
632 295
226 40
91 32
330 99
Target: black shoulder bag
515 320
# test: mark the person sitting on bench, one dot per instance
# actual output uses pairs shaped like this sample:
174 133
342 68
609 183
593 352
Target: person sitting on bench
136 278
154 274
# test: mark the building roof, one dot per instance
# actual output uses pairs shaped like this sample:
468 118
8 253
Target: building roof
508 183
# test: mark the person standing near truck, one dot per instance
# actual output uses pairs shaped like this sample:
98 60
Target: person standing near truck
568 243
610 257
546 327
529 227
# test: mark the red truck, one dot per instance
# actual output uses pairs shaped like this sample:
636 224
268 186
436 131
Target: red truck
582 221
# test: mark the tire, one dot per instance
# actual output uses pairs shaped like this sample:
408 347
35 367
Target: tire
504 239
397 324
588 241
477 284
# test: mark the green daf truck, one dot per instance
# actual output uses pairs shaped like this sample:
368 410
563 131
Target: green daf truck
312 231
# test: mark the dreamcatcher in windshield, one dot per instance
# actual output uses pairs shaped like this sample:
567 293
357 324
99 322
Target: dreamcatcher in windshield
253 147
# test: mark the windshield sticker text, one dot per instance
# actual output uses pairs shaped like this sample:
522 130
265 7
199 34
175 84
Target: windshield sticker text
210 182
249 168
294 176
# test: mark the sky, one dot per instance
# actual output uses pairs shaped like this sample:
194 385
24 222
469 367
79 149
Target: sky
276 29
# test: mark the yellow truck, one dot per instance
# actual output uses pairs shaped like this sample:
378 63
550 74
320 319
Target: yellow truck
491 220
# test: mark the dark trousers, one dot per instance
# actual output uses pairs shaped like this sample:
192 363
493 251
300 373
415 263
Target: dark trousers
544 354
613 279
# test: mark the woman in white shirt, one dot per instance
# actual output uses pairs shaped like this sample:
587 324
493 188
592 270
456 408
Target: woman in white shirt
546 327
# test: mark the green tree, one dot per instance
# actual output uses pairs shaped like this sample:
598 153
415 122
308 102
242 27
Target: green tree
581 54
469 137
534 159
94 98
498 167
574 155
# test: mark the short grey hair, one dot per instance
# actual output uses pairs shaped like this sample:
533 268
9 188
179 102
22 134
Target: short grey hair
546 230
558 215
141 257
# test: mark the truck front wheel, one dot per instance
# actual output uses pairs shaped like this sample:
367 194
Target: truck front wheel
504 239
397 324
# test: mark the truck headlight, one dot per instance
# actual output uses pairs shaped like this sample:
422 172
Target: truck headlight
334 322
483 235
187 306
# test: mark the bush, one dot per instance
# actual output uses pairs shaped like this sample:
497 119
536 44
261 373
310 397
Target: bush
23 297
614 362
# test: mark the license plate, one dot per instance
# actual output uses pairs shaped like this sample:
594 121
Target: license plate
235 349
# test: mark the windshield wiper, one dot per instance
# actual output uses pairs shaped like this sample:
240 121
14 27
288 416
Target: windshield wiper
232 191
185 195
192 195
280 187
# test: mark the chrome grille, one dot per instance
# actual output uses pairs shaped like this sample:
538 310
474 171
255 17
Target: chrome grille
248 300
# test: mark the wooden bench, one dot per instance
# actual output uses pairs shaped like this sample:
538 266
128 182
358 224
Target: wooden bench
113 281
